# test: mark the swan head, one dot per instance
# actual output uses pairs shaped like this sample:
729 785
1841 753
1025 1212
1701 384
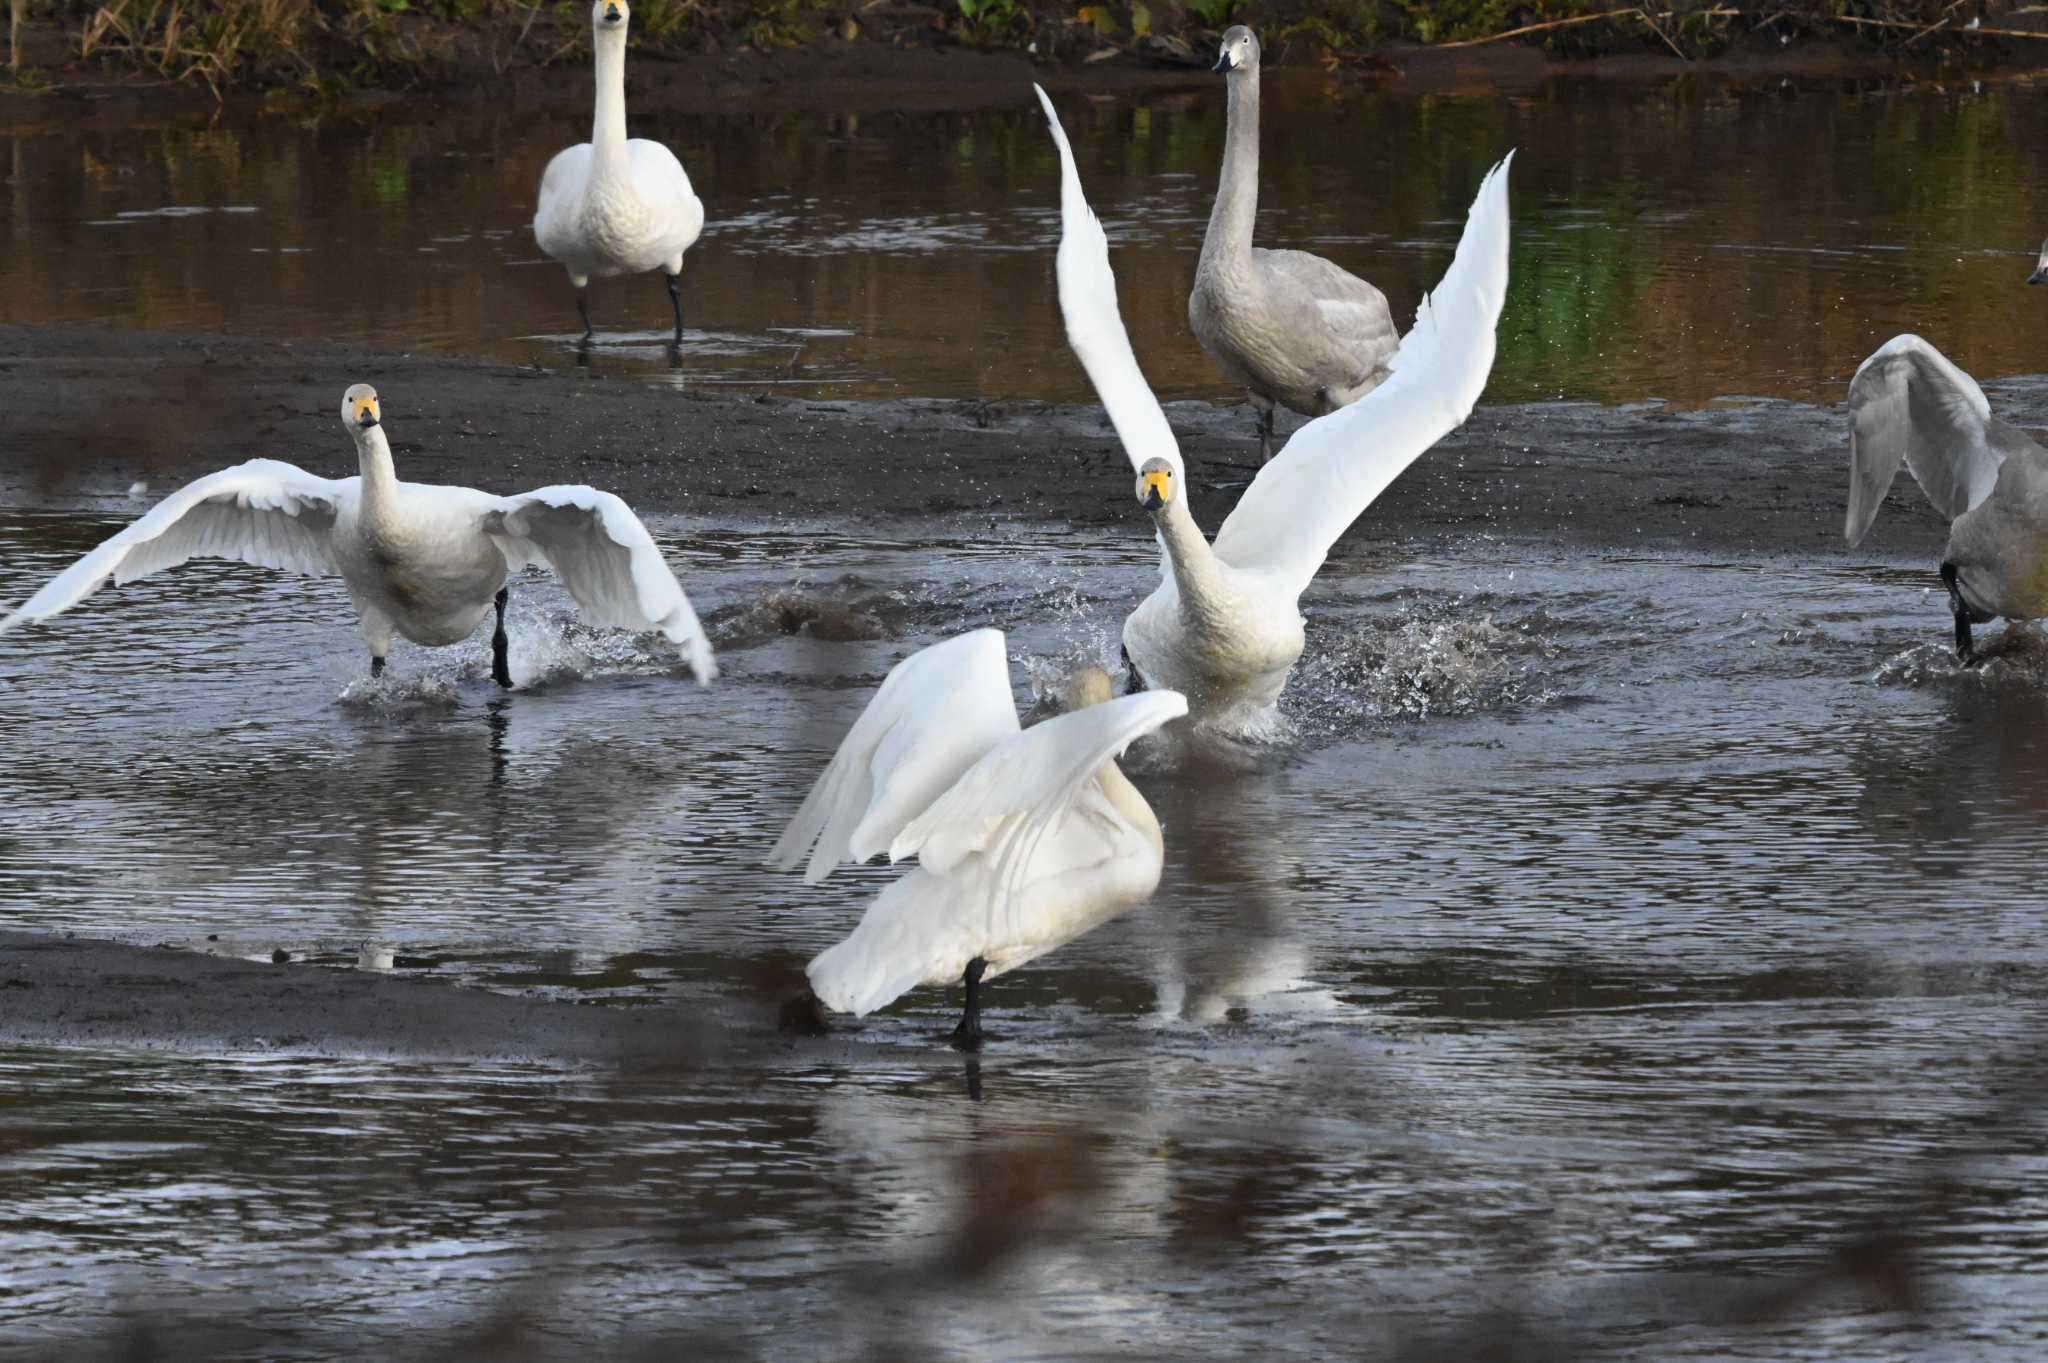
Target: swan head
359 411
608 14
1240 50
1089 686
2040 274
1156 485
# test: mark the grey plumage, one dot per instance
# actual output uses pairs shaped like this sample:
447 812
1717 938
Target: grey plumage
1909 404
1294 329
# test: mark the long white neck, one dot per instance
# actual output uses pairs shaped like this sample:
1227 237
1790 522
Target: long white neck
608 126
1124 796
1203 595
380 476
1229 239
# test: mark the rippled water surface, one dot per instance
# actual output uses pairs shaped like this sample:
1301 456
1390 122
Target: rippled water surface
1608 936
1681 242
1614 939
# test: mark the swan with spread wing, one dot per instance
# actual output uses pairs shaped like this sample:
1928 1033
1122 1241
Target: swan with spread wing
1025 838
419 560
1224 625
1908 404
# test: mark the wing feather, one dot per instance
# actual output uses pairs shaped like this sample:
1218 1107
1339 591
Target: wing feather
1095 328
937 713
265 512
1909 404
606 559
1335 466
1007 802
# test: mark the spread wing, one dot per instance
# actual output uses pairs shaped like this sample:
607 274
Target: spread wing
1095 329
265 512
1333 468
607 560
1908 403
1018 792
936 714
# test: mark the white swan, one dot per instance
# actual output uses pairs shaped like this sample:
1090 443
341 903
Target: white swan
611 206
1909 404
1224 625
420 560
1025 839
2040 274
1291 327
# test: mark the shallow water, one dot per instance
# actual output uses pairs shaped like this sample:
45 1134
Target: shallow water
1609 935
1663 244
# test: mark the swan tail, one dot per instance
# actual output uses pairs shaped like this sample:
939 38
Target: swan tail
894 950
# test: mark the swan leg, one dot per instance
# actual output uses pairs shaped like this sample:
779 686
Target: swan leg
1966 652
967 1035
675 300
376 665
1265 431
583 308
501 669
1136 683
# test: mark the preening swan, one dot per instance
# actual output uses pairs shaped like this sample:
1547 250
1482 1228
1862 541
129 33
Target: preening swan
1909 403
420 560
1025 839
1291 327
1224 625
611 206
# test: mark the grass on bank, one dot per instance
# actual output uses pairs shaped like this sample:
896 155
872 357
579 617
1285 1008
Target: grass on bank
243 44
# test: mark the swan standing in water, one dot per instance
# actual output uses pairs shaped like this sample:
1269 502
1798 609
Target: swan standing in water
2040 274
1909 403
611 206
1224 625
420 560
1025 838
1291 327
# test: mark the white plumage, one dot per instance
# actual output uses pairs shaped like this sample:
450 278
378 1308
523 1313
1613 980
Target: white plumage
420 560
1224 625
1908 404
1025 839
613 206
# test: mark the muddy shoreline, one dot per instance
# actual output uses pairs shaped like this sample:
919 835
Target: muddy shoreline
91 412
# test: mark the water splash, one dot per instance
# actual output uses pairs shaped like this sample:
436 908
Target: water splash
1415 669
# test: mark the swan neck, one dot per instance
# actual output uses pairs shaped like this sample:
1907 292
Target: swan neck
608 125
1229 238
1194 562
380 475
1117 788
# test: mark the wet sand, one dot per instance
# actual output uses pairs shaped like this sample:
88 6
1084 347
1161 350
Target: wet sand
90 413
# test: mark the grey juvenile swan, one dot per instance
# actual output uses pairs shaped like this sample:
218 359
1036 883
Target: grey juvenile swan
1908 402
1291 327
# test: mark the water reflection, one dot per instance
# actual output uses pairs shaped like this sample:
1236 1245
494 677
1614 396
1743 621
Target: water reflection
1655 254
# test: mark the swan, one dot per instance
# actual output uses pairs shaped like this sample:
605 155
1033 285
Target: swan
1909 403
420 560
1025 838
2040 274
1224 625
1291 327
613 206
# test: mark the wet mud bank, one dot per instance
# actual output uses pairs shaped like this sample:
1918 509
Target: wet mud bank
91 413
74 991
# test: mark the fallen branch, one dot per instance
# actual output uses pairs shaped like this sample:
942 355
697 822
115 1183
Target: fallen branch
1979 32
1719 12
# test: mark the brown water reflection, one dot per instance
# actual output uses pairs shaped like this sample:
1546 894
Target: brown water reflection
1685 241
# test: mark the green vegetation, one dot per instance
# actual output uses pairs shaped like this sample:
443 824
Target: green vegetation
333 44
